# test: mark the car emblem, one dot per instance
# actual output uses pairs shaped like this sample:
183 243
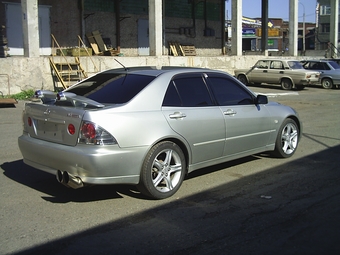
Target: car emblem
73 115
47 112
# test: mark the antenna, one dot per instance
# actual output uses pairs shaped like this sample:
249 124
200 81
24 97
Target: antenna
121 64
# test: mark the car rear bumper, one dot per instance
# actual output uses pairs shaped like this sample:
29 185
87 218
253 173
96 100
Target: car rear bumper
92 164
309 82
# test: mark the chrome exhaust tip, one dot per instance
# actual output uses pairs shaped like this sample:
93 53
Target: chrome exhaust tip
69 180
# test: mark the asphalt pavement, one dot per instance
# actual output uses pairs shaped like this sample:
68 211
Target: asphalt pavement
255 205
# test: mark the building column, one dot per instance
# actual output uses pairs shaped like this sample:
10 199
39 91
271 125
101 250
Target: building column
30 27
334 27
293 27
155 27
236 24
264 26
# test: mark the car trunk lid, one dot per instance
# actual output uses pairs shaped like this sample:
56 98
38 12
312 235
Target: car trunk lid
53 123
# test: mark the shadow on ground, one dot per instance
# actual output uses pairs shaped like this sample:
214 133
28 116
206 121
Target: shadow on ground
290 209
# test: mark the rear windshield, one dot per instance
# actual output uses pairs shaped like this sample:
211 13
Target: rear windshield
112 88
334 64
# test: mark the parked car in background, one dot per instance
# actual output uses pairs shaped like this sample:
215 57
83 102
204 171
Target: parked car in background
337 60
150 127
289 73
329 71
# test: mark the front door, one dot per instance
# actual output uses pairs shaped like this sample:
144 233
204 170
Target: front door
248 126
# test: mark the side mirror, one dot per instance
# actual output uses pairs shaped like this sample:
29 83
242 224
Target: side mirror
261 99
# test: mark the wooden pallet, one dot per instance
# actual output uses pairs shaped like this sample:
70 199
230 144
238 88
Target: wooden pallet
98 46
8 101
189 50
176 49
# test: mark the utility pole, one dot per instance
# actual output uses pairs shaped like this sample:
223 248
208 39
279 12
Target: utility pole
303 31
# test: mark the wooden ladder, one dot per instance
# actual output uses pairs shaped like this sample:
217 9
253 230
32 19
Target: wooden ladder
65 72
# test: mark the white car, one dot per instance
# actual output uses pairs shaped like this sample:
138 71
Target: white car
151 127
286 72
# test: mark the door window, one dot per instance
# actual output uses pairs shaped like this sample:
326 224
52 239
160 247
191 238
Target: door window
188 91
228 92
262 64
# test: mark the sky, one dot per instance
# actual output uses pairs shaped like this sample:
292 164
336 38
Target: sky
277 9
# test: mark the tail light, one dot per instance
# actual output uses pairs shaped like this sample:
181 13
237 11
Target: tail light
29 121
91 133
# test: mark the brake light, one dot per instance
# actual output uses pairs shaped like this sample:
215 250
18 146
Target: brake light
88 130
90 133
71 129
29 121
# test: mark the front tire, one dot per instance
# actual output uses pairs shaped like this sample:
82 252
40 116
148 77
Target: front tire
163 171
327 83
287 139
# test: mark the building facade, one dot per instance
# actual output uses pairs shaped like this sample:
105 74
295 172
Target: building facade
324 24
122 24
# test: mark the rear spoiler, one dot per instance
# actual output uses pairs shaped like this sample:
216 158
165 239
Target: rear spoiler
65 99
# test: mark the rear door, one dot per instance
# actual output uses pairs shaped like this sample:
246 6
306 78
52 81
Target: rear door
275 72
190 112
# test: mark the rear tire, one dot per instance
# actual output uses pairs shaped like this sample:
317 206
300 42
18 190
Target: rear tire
242 78
287 139
286 84
327 83
163 171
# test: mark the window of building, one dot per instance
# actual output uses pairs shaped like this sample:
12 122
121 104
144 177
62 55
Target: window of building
325 28
325 10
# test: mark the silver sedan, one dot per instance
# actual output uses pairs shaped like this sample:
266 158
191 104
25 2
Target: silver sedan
329 71
150 127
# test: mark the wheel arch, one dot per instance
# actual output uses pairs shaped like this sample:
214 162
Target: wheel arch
327 77
182 146
243 74
288 78
297 121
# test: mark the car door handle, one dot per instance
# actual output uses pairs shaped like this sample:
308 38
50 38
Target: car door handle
265 71
229 112
282 72
177 115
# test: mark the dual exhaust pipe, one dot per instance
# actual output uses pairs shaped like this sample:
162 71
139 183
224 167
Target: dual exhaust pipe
69 180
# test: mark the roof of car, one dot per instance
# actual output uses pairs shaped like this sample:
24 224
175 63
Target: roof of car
277 59
154 71
317 60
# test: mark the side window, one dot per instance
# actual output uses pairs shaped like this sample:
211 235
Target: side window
325 66
276 65
313 66
171 96
187 92
228 92
262 64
